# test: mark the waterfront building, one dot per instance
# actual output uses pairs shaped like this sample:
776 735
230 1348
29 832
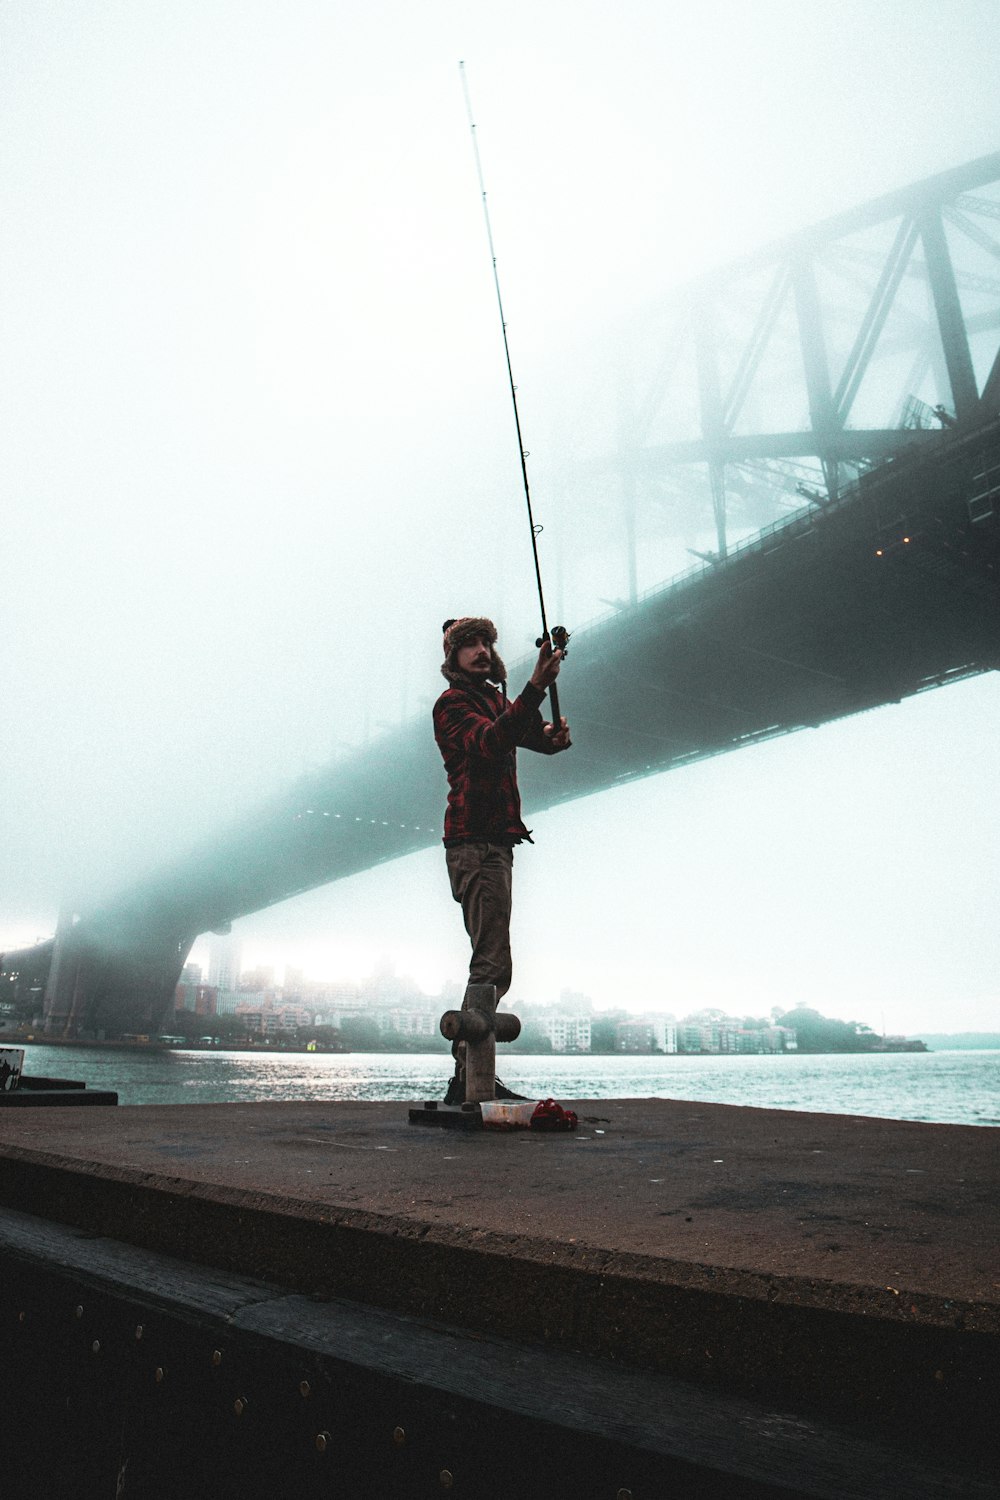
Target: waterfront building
697 1036
184 995
199 998
572 1003
646 1034
726 1036
408 1022
261 978
269 1021
331 994
296 984
229 1002
387 988
206 1000
336 1015
567 1033
224 954
729 1033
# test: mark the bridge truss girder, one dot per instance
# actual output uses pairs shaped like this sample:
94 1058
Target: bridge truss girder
692 415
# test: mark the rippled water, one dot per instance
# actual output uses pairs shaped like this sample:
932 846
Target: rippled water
955 1087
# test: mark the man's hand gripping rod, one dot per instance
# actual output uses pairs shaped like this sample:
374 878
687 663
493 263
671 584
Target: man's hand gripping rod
558 640
559 635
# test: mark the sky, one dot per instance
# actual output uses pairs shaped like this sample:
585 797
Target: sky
258 444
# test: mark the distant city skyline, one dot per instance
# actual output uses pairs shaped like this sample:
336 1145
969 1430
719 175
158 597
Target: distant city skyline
384 1010
281 976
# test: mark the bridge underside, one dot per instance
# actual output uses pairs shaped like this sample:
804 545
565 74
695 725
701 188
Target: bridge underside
890 591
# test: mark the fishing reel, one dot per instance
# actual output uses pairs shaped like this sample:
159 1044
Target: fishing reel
559 636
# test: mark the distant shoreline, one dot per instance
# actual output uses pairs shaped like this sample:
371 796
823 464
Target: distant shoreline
960 1041
117 1045
938 1042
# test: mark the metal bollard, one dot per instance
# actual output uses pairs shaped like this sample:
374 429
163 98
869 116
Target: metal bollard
480 1028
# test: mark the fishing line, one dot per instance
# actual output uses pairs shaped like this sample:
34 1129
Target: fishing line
559 635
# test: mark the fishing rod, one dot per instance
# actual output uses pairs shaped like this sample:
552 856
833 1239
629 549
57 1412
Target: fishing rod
559 635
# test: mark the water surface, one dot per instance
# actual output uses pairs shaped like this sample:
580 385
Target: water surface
955 1087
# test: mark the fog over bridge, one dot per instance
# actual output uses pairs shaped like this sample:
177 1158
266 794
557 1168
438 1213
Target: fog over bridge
878 580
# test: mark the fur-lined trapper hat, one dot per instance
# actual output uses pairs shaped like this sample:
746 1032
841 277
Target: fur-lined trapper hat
459 633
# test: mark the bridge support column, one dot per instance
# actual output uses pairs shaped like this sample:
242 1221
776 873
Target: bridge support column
64 981
106 983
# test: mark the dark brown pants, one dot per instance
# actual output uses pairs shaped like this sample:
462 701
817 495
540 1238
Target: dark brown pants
480 875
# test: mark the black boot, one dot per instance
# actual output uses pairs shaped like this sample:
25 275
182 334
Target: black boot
502 1092
455 1092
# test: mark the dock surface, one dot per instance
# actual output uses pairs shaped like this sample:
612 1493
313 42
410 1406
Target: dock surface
835 1264
840 1202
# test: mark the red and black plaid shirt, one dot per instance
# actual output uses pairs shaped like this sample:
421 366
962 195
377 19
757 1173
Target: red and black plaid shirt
478 735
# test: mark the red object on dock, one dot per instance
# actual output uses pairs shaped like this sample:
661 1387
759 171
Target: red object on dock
551 1116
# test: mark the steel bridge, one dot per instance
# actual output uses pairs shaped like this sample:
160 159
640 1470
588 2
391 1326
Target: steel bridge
874 578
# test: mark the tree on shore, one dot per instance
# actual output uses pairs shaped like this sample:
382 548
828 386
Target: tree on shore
603 1030
817 1033
533 1038
362 1034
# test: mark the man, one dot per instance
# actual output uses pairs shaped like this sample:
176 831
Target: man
478 733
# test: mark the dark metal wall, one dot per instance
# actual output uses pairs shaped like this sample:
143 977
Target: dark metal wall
125 1373
153 1390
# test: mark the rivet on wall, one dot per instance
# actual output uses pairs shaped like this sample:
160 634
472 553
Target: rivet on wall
22 1317
217 1356
305 1389
240 1405
78 1313
95 1347
398 1436
624 1495
323 1441
447 1479
139 1330
160 1375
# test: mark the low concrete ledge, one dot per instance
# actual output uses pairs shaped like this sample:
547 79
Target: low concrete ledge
545 1239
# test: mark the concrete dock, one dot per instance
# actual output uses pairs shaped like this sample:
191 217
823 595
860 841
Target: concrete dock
839 1269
